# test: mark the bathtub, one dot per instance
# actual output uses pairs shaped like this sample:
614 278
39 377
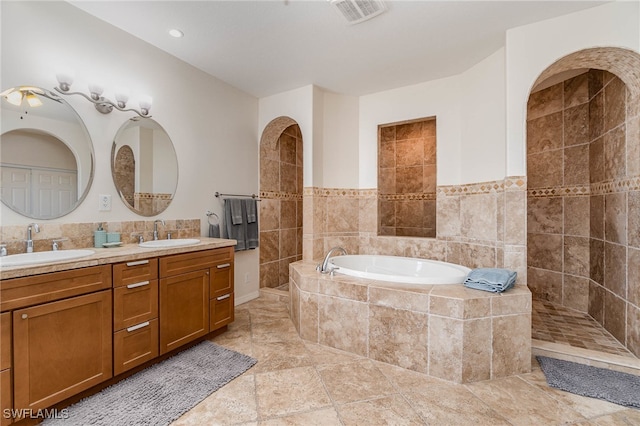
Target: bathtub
400 269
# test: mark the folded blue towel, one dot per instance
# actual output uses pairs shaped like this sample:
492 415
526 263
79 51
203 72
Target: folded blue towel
495 280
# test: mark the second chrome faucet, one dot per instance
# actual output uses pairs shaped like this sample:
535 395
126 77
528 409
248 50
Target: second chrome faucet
155 228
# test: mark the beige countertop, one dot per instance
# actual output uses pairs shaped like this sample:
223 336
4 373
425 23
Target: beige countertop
103 256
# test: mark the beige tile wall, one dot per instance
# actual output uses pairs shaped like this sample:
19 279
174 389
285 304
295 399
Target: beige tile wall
583 148
80 235
407 179
494 238
281 206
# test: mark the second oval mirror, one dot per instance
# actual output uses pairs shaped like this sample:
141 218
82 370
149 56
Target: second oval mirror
144 166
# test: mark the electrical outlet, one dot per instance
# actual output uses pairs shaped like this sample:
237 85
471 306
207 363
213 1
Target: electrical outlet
104 203
246 277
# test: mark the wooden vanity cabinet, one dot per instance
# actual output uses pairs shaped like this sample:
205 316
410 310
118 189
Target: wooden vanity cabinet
6 386
135 313
190 286
64 346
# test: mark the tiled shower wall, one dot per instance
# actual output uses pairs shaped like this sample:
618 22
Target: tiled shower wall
407 179
281 206
583 162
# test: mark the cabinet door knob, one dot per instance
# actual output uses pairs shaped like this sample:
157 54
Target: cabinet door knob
25 316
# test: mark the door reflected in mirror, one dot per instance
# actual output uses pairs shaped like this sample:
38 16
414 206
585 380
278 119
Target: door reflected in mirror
46 154
144 166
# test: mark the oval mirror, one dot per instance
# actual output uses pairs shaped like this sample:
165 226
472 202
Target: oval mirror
144 166
47 155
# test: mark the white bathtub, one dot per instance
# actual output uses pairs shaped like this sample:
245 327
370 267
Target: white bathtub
400 269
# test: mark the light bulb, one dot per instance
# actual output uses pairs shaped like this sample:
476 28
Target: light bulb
96 90
14 98
33 100
122 96
145 104
65 78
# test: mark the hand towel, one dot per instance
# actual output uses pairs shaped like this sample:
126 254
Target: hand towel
252 206
236 210
252 234
214 230
495 280
234 231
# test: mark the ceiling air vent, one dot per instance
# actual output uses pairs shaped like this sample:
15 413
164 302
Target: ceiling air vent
356 11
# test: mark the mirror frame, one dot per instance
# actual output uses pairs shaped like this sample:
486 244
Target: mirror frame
115 147
50 97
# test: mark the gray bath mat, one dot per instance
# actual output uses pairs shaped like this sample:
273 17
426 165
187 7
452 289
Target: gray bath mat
161 393
613 386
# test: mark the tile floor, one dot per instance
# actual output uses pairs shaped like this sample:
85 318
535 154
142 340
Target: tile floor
297 383
557 324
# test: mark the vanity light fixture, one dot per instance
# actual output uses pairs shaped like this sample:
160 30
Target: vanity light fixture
16 95
102 104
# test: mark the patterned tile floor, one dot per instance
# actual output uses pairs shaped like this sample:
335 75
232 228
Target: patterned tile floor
299 383
557 324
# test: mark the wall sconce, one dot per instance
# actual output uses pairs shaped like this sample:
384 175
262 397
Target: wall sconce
102 104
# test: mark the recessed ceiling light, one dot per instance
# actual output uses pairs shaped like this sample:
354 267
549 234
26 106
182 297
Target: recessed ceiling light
176 33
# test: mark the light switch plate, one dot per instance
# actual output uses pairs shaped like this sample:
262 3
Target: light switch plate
104 203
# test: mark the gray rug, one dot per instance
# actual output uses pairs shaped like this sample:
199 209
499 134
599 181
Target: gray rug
613 386
161 393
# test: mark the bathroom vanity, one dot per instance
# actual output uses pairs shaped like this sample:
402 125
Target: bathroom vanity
69 326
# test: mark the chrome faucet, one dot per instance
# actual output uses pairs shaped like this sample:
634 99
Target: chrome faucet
29 239
3 249
322 267
155 228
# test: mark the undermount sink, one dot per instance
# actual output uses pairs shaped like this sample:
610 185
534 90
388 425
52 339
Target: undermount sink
43 257
176 242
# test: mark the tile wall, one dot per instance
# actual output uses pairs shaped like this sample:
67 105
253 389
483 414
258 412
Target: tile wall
495 238
80 235
583 219
407 179
281 206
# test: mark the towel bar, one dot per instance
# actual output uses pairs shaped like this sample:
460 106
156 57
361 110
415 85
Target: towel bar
254 196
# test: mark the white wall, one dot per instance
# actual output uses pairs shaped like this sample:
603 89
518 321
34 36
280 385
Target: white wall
340 141
213 126
483 148
530 49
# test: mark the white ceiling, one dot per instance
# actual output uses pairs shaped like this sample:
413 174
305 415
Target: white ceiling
270 46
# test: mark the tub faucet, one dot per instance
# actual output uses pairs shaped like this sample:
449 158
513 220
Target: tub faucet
29 239
155 228
323 267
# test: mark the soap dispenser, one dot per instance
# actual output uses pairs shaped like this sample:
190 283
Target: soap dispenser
99 237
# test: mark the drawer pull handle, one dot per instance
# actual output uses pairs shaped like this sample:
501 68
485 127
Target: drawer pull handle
137 327
226 296
136 285
138 262
224 265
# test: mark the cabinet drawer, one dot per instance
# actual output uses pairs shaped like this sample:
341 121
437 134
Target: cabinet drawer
21 292
5 342
6 396
221 311
135 303
182 263
135 271
221 279
134 346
